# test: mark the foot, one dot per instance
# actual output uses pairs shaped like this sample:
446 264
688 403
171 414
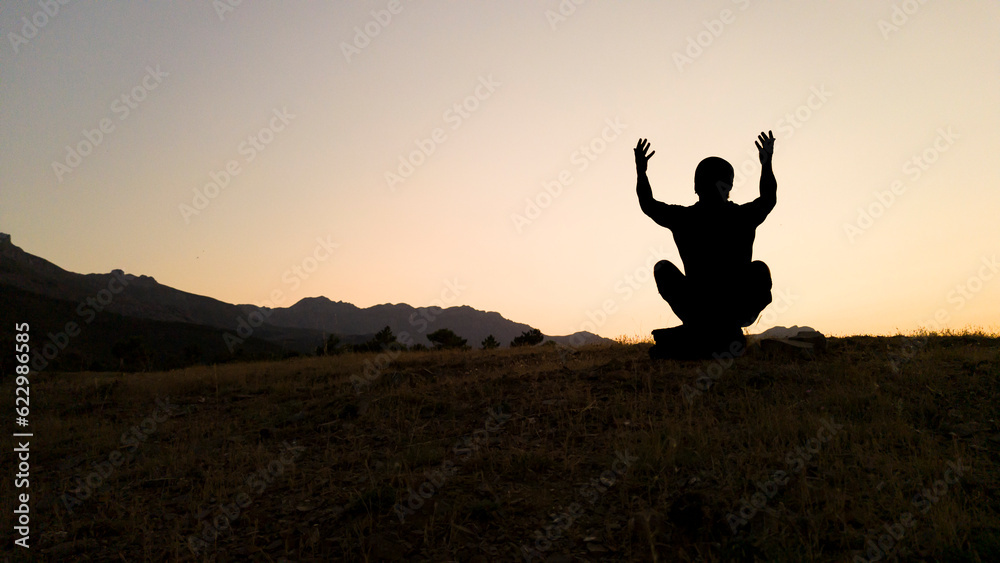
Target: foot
697 343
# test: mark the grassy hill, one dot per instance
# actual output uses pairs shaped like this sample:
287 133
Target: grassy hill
544 454
155 344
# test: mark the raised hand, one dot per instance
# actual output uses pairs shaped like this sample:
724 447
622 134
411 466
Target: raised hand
641 158
765 146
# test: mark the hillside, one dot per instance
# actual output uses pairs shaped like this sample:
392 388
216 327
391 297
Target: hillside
541 454
36 290
127 294
90 343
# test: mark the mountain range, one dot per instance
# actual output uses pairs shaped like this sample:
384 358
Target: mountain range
120 320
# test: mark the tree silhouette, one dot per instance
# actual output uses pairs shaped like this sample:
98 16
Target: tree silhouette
490 343
385 336
444 338
528 338
131 354
383 339
329 346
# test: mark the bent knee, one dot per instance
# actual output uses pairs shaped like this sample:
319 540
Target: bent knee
760 269
760 275
665 267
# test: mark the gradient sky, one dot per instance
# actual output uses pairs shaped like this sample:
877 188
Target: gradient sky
504 96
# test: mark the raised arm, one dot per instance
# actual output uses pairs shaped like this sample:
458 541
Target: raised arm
655 210
768 185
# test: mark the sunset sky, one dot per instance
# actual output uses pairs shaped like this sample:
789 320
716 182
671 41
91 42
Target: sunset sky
473 153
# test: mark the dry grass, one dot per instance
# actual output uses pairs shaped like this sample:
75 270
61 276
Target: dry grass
908 406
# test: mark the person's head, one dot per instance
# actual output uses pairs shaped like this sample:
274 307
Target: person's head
713 179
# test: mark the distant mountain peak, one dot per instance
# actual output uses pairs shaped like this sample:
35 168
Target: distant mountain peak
317 299
302 325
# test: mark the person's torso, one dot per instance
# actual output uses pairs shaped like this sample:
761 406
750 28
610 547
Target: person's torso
713 241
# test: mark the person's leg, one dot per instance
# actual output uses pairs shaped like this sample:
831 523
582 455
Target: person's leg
675 289
717 332
756 292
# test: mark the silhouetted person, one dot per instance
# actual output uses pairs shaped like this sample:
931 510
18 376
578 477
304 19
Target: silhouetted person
722 289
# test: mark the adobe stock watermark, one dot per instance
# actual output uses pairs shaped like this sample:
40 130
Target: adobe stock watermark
796 459
122 106
562 13
964 292
590 492
249 149
36 23
225 7
224 515
900 16
959 297
419 320
913 168
582 158
365 33
697 44
786 127
293 276
131 439
625 286
87 309
462 450
705 379
454 116
879 546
